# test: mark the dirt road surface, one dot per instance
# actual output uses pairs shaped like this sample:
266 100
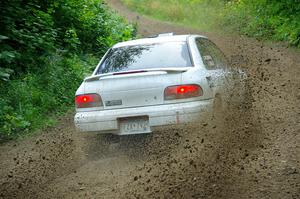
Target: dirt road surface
252 151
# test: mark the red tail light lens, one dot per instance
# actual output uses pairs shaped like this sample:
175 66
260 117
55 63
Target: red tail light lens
88 101
183 91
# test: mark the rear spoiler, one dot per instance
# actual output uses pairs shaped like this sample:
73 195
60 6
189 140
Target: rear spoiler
168 70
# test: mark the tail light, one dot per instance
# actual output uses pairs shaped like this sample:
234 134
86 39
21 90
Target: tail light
88 101
183 91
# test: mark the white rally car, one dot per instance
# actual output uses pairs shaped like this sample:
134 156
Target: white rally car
150 82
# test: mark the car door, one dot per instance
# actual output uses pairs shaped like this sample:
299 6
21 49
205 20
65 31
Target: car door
215 64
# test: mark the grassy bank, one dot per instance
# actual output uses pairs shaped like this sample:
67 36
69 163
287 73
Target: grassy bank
46 48
201 15
263 19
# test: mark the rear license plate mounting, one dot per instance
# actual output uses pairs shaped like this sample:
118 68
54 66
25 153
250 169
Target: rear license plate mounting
134 125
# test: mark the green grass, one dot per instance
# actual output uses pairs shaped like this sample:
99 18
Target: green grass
203 16
274 20
35 101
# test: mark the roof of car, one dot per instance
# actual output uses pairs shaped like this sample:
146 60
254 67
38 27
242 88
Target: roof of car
157 39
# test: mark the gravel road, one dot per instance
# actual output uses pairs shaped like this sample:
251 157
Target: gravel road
251 151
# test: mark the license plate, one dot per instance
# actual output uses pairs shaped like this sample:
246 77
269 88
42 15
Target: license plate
134 125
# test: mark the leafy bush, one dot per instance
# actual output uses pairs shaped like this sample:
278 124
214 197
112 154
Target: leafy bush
271 19
266 19
46 47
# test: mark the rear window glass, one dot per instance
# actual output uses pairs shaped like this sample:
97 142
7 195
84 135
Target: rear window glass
158 55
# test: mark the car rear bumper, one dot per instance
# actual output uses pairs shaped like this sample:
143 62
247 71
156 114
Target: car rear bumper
107 121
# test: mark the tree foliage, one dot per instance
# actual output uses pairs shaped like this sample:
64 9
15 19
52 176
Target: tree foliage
45 49
273 19
266 19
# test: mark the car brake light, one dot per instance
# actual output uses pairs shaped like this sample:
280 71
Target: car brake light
88 101
182 91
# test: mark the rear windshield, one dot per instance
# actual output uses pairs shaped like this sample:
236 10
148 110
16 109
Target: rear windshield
158 55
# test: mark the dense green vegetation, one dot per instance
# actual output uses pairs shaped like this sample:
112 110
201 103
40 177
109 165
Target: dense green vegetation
265 19
271 19
46 48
